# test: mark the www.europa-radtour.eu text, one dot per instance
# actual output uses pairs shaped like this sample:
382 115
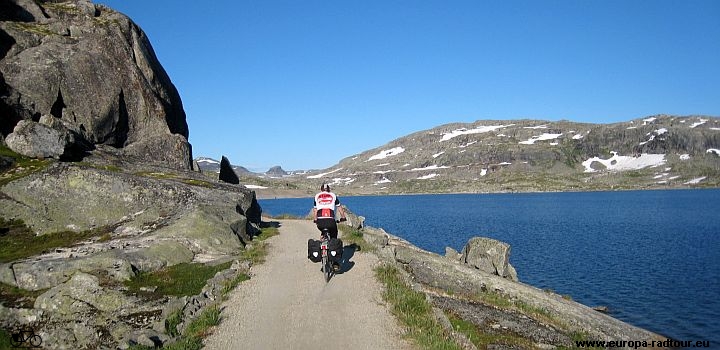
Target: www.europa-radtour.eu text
667 343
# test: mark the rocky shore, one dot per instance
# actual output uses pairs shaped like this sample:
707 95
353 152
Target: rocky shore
479 286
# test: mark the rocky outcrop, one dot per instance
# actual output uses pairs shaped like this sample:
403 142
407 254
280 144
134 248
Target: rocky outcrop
276 171
456 285
93 71
489 255
149 218
227 174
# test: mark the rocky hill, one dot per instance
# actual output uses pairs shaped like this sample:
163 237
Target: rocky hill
532 155
96 191
76 77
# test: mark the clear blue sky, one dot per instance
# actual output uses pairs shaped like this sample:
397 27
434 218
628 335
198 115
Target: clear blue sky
303 84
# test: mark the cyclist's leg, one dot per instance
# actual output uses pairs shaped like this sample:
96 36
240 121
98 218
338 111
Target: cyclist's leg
333 230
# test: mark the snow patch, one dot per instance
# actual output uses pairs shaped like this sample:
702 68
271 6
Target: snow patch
477 130
536 127
696 124
384 180
483 172
255 187
438 154
695 180
210 161
684 156
387 153
620 163
649 120
431 167
427 177
713 150
542 137
323 174
342 180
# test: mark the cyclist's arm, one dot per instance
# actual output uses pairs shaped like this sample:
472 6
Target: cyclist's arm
341 209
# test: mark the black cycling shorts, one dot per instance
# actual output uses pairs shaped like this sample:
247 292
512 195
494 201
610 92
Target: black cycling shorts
329 224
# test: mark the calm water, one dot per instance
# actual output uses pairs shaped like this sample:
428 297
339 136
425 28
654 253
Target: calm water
652 257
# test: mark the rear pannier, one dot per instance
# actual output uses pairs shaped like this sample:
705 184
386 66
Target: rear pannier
314 253
335 249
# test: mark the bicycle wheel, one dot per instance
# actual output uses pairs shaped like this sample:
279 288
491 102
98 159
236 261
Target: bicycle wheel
327 269
35 340
16 340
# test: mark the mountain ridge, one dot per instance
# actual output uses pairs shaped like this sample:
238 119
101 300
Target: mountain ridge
526 155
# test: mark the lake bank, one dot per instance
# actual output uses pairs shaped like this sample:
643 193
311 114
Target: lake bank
618 249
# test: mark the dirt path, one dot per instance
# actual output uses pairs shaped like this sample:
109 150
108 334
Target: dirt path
287 304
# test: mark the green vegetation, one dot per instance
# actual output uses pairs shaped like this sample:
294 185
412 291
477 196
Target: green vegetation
184 279
500 301
167 176
172 322
17 241
352 236
258 251
35 28
5 340
12 296
188 279
413 311
481 339
198 329
112 168
23 166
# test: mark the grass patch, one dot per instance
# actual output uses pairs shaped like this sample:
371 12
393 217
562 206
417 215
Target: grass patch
17 241
184 279
257 252
112 168
5 340
172 322
15 297
413 311
229 285
167 176
354 236
482 340
500 301
23 166
196 331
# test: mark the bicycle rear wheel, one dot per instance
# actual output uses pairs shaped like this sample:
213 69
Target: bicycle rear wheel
327 269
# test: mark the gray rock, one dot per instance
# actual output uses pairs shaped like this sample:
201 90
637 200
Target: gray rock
95 69
452 254
276 171
35 140
437 273
227 174
82 294
489 255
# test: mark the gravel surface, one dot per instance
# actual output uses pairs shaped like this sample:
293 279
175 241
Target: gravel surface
287 304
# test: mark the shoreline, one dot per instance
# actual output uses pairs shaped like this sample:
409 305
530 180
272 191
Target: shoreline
285 194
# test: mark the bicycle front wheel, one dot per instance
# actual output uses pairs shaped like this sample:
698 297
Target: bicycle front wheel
35 340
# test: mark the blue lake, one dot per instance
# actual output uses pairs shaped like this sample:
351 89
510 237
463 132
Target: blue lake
652 257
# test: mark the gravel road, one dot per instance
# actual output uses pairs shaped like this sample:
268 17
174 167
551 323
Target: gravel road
287 304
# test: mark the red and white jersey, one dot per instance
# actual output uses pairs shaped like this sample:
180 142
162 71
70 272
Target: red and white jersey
325 204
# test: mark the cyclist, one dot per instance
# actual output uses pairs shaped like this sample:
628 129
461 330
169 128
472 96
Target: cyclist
323 213
324 209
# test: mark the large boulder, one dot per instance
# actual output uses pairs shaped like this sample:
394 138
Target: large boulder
94 69
35 140
489 255
227 174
